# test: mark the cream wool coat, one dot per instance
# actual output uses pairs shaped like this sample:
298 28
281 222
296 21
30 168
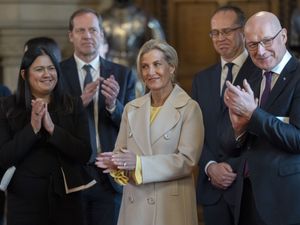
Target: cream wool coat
169 149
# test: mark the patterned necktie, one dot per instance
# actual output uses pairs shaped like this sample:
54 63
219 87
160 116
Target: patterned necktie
228 77
267 88
90 111
88 77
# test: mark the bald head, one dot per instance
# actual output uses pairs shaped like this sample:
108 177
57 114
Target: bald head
261 19
265 40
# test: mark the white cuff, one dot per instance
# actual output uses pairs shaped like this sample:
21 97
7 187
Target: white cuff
207 165
111 110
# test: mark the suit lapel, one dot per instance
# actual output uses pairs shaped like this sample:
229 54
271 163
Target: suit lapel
166 119
105 72
246 70
105 69
253 75
215 81
283 79
139 123
169 116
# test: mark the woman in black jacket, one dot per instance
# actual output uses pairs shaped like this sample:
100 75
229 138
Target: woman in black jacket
44 134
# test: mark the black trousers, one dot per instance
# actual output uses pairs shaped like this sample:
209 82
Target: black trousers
98 201
221 211
248 212
33 201
2 206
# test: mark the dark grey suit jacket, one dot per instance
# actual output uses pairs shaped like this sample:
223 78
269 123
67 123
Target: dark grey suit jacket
108 123
272 150
206 91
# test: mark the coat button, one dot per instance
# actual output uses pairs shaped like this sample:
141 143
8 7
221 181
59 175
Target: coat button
166 136
150 201
130 134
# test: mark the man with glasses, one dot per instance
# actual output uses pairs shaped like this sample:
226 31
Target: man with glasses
265 116
217 173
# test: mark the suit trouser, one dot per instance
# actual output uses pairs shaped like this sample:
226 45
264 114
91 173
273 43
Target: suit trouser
219 213
2 206
98 201
248 212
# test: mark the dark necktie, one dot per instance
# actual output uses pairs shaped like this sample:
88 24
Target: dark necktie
90 111
228 77
88 77
263 100
267 88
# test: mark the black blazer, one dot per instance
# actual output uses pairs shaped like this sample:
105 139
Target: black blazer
108 123
41 155
206 91
272 150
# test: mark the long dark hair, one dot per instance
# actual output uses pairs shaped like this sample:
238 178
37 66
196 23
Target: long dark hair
23 92
46 42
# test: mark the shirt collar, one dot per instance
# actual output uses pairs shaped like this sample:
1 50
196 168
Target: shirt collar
238 61
95 63
279 67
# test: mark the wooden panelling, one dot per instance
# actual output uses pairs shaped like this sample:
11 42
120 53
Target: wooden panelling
191 27
188 27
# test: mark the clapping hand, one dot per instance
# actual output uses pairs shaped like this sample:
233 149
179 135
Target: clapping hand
89 92
40 116
110 90
104 161
37 113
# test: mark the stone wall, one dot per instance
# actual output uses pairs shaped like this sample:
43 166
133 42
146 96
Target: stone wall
24 19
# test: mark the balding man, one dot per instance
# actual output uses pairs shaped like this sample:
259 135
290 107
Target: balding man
265 117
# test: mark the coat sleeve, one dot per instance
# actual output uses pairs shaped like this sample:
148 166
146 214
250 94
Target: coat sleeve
14 146
286 136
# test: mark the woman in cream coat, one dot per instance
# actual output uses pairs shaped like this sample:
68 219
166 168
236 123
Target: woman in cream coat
158 145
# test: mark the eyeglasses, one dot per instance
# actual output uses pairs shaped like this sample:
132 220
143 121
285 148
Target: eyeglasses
224 32
266 42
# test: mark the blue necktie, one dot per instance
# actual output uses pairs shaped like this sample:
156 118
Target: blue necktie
267 88
228 77
90 111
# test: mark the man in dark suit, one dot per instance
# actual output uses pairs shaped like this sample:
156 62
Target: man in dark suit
215 188
110 87
4 91
267 131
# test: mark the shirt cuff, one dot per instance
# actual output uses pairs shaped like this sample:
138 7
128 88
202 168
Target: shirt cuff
112 109
207 165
